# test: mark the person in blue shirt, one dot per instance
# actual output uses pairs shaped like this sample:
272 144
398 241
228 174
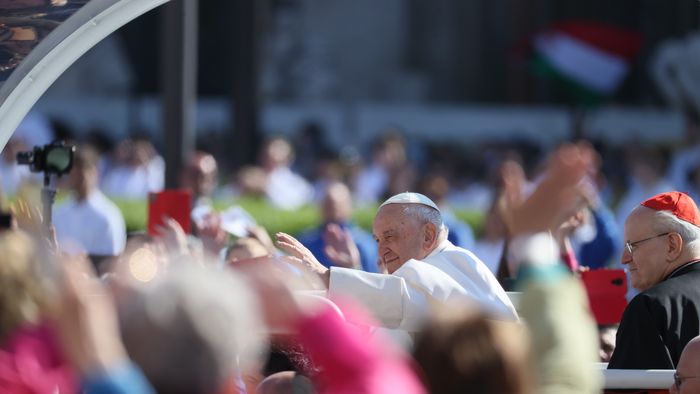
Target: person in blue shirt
601 250
336 211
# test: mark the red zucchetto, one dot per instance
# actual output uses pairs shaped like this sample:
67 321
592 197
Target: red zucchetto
677 203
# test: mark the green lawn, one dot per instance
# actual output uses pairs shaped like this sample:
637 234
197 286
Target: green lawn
274 220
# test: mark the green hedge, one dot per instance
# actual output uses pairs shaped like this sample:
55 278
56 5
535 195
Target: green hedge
273 219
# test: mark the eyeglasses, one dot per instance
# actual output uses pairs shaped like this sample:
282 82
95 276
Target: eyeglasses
631 245
678 381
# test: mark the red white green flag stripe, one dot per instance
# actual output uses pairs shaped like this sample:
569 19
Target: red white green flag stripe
590 58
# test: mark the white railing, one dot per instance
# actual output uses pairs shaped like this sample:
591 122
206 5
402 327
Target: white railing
636 379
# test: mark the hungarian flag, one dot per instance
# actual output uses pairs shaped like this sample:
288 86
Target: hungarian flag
591 59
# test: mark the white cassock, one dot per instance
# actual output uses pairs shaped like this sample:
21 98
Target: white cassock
402 300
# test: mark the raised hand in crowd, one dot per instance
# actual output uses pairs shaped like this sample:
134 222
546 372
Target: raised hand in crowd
173 237
558 195
340 247
259 233
212 235
28 218
553 303
87 320
89 330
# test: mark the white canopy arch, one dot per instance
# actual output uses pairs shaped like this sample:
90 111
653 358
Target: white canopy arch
53 55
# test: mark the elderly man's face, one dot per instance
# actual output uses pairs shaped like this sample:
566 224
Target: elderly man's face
647 263
688 370
399 237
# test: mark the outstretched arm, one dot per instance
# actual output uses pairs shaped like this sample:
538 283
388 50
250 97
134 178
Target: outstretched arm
352 361
554 302
303 256
89 332
392 300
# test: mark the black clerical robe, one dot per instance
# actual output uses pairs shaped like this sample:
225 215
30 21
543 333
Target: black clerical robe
659 322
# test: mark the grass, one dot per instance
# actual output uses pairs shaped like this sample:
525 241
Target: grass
274 220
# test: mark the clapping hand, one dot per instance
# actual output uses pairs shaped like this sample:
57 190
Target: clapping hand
340 247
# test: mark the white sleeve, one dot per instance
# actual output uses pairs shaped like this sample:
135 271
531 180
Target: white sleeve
393 302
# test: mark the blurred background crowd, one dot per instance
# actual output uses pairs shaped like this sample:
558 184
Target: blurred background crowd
295 172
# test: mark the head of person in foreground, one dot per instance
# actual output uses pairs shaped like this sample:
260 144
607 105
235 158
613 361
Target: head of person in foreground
464 348
686 380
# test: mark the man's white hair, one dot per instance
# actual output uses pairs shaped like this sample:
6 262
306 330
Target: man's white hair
665 221
426 214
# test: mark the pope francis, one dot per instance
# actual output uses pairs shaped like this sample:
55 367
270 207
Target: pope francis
423 268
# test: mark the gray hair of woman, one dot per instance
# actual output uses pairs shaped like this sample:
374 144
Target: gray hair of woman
193 330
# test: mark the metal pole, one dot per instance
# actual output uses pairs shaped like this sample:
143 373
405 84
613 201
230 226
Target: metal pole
245 139
48 196
179 84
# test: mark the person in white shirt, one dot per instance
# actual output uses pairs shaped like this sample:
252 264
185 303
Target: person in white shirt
423 268
137 171
88 221
284 188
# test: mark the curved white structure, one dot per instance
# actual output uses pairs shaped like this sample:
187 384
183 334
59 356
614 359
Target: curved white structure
63 46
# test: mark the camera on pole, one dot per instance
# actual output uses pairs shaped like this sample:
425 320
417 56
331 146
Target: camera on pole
56 159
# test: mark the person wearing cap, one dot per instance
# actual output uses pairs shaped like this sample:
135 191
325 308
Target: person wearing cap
423 268
662 252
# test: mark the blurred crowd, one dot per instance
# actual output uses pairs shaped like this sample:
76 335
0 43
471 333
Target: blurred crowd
417 305
296 171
